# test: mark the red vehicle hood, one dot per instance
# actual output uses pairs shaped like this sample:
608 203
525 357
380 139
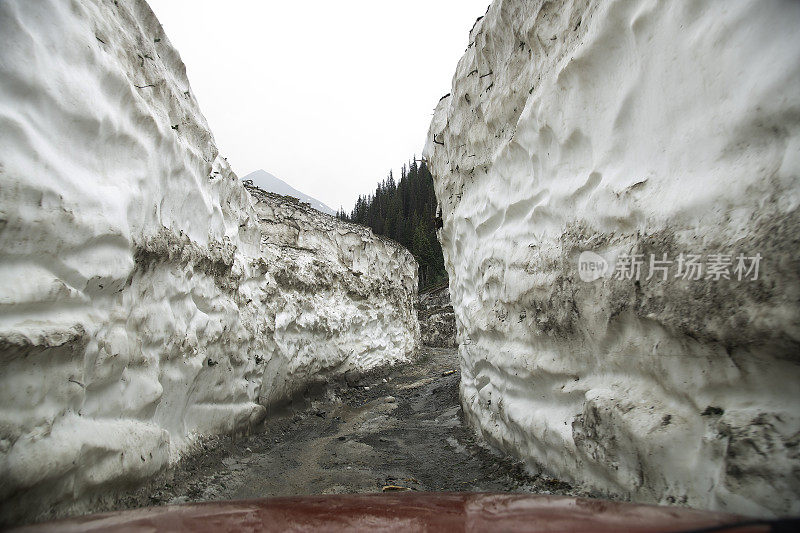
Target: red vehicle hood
410 511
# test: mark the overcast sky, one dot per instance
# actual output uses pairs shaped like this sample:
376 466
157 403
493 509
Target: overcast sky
328 96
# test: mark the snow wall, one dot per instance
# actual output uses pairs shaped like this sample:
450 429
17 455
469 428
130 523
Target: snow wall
630 128
147 299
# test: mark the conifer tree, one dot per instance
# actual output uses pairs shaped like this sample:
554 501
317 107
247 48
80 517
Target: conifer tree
405 211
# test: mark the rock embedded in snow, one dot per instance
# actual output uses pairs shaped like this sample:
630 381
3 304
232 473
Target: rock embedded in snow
623 128
148 298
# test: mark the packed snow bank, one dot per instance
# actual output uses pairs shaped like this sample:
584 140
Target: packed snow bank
147 298
622 128
335 296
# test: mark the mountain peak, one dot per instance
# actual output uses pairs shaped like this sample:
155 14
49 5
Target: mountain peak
271 183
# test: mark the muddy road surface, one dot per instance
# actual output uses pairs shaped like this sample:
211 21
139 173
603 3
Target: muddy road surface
402 430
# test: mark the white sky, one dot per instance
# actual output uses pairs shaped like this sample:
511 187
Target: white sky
327 95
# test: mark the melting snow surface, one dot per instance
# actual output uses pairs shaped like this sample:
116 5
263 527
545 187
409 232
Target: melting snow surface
627 128
148 299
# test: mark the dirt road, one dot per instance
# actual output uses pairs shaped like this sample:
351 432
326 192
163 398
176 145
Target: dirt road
401 430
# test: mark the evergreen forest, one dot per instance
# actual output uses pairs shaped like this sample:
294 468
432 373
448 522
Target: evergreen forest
405 211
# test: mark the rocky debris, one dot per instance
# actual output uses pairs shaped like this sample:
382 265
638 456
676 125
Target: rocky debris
436 318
